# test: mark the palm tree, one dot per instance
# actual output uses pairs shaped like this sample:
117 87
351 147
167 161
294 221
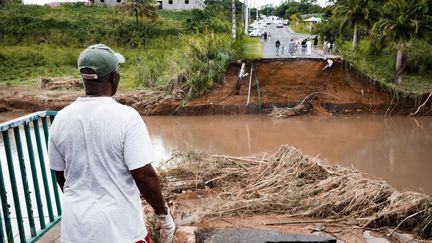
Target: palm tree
354 13
403 21
140 9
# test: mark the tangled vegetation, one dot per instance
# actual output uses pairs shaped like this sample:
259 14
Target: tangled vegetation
288 182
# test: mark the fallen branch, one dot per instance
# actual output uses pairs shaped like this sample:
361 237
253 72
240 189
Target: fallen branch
236 158
282 113
424 103
306 222
403 221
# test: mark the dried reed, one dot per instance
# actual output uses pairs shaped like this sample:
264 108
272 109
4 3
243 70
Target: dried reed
288 182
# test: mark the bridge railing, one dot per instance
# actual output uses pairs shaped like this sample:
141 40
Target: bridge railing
30 201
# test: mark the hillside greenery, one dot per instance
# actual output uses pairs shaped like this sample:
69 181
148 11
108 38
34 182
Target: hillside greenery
188 49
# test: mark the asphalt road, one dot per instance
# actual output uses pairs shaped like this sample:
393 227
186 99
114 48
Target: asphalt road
284 35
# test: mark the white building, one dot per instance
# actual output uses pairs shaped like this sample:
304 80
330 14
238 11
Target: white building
179 4
109 3
162 4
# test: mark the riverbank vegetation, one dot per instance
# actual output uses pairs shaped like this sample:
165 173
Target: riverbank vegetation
187 50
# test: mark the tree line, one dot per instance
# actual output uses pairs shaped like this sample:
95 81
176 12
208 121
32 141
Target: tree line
398 22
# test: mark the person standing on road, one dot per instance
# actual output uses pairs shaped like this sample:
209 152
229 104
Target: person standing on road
331 42
325 46
315 41
101 154
303 46
308 47
291 47
277 44
283 49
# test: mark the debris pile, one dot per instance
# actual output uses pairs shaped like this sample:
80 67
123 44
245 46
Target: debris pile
60 83
288 182
301 108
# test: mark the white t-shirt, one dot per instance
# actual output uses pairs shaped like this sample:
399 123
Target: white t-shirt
96 142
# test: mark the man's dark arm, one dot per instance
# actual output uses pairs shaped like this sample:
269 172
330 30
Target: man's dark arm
148 184
60 178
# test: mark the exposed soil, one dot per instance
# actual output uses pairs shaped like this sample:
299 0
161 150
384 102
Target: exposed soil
285 83
281 84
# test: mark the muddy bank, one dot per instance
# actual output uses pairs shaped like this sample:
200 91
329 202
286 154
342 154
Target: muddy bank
275 83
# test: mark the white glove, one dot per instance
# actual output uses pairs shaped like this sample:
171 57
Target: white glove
165 223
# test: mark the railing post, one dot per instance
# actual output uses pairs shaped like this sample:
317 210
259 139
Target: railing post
10 163
1 230
5 210
43 171
24 179
34 175
53 177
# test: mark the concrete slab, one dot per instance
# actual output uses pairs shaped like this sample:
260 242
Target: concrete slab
258 236
52 236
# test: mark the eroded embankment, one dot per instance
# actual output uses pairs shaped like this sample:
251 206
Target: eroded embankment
285 83
274 83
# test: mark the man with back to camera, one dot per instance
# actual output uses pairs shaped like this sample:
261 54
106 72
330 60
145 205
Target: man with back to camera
277 45
101 153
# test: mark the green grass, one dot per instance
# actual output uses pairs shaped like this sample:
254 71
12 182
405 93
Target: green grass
24 65
202 59
39 41
252 48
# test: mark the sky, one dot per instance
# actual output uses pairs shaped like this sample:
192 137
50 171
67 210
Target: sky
253 3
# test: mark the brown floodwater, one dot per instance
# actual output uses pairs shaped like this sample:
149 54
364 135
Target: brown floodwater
397 149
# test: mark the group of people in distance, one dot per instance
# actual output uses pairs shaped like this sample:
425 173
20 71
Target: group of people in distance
265 35
328 45
294 46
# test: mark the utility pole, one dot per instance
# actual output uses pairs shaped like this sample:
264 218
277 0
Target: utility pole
257 17
246 23
233 27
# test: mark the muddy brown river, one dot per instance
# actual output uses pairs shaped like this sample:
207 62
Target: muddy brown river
397 149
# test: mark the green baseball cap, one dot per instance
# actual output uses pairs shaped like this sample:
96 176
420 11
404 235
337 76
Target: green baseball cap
99 58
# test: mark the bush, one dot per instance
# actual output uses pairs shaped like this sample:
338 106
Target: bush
418 58
210 57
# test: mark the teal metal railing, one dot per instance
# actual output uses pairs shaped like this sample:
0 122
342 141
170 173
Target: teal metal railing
34 187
